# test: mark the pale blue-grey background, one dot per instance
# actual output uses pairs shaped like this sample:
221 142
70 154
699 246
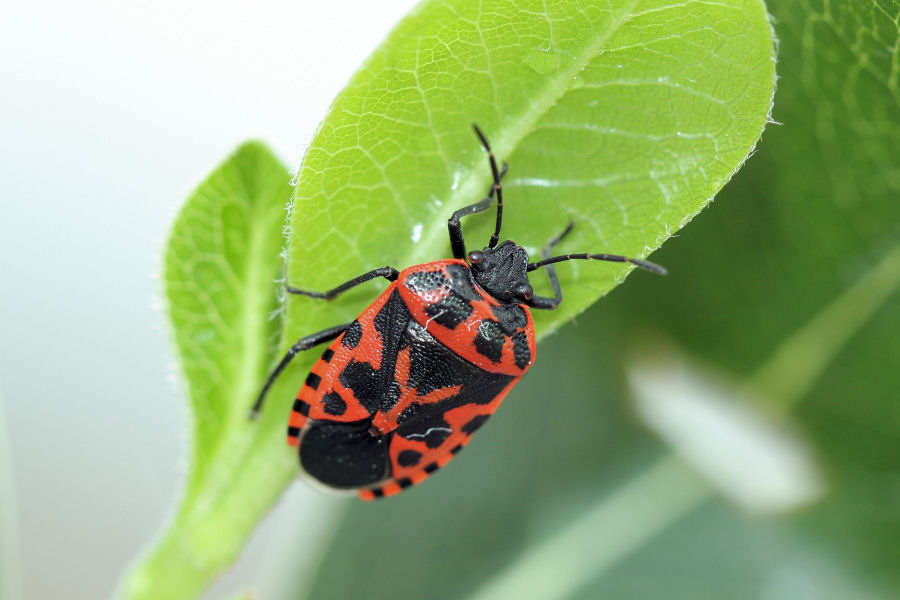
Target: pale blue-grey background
110 112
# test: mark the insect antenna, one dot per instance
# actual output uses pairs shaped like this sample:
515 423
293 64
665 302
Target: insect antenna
497 185
644 264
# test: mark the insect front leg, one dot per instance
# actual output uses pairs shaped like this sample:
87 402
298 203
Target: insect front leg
456 237
304 343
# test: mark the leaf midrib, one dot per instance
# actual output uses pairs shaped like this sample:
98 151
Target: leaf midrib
505 139
253 357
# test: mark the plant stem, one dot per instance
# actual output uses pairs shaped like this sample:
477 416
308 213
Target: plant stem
209 530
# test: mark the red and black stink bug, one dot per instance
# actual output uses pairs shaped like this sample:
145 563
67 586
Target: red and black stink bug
401 389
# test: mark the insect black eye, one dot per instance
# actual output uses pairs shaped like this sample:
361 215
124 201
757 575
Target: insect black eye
527 292
476 257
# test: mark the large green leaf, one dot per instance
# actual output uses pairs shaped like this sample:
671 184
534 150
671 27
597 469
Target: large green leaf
625 118
790 285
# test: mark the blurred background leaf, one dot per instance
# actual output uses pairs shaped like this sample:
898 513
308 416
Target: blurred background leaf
813 213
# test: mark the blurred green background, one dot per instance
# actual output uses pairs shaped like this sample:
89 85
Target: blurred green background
112 124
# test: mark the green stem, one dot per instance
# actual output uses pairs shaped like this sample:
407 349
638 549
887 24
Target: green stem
799 362
210 529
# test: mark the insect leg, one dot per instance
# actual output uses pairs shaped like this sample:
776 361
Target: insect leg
548 261
456 236
644 264
543 302
304 343
389 273
496 187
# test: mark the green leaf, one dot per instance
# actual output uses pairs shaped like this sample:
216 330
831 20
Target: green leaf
221 264
625 119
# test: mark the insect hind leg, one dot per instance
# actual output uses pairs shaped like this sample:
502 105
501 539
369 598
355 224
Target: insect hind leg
304 343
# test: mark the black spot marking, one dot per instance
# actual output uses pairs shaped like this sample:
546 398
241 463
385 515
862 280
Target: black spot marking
436 437
369 387
521 351
301 407
408 413
392 314
363 380
431 468
434 366
450 312
391 323
313 381
456 448
404 482
510 318
377 492
426 281
456 307
462 282
352 335
473 425
293 431
334 404
428 418
433 436
375 388
326 356
409 458
489 341
345 455
391 395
